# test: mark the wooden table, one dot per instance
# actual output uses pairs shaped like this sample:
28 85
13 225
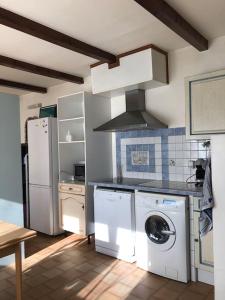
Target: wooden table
11 237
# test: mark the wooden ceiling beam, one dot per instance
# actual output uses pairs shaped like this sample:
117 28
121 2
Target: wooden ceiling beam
23 86
170 17
27 67
50 35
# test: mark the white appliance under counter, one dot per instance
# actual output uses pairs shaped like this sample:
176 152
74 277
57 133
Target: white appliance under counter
115 223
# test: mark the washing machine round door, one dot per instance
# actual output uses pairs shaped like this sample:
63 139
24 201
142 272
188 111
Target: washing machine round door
160 231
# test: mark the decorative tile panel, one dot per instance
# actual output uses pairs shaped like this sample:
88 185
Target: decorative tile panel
140 158
162 154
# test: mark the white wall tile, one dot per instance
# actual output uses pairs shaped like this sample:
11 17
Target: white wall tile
202 154
194 154
179 139
157 140
172 154
179 147
171 147
186 162
186 171
158 161
179 154
179 170
194 146
158 147
179 177
158 169
172 177
158 176
179 162
172 139
172 169
187 154
187 146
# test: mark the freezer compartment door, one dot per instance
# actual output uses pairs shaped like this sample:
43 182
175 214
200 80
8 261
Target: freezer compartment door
41 209
39 150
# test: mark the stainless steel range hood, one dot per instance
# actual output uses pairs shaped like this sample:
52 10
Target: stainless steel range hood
135 117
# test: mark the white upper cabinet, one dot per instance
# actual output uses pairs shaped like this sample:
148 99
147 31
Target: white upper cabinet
205 104
143 69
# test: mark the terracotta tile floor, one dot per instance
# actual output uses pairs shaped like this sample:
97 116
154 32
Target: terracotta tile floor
42 241
70 269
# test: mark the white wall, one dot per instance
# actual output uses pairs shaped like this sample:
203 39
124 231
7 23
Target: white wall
47 99
218 165
168 102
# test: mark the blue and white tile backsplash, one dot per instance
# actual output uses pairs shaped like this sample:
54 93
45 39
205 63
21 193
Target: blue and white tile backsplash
162 154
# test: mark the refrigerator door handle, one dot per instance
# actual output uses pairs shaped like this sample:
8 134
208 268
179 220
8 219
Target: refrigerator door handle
26 158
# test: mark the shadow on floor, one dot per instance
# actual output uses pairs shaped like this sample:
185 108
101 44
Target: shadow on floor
70 269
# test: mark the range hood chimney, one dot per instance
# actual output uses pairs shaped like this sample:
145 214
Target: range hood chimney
135 117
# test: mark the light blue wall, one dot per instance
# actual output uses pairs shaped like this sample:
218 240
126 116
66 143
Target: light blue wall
11 207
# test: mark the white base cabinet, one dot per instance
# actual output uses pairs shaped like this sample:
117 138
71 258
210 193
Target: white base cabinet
72 208
202 258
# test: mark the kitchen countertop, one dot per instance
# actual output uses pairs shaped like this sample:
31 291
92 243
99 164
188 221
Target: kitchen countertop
155 186
72 182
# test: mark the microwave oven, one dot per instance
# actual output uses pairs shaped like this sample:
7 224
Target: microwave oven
79 171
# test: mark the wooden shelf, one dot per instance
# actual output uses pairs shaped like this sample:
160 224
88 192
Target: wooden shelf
71 119
73 142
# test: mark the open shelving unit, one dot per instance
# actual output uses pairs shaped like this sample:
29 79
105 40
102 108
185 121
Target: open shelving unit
71 118
80 113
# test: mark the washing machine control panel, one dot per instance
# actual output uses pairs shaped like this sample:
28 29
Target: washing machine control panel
158 203
169 202
164 203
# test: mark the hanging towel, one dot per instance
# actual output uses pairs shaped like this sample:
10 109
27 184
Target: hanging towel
207 202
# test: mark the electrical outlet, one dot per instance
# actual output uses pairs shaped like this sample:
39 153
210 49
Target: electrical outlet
172 163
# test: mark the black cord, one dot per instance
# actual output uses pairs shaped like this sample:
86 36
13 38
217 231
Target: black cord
190 177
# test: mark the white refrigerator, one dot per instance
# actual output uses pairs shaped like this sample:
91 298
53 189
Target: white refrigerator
43 176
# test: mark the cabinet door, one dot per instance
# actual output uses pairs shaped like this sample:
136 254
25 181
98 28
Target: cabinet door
205 105
203 247
73 213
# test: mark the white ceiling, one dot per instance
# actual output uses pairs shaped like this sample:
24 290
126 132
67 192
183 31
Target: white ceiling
113 25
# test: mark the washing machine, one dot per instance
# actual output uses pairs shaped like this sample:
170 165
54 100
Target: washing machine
162 235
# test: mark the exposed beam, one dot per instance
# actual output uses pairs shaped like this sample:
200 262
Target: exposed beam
43 32
168 15
23 86
27 67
